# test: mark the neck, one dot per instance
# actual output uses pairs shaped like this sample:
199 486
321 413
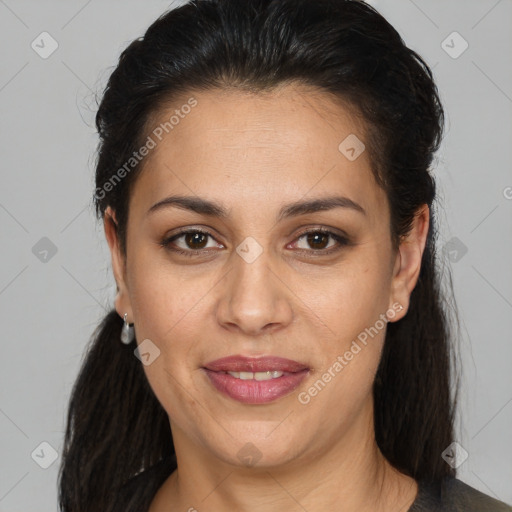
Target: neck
351 475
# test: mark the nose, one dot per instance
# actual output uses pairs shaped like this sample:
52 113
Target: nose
255 299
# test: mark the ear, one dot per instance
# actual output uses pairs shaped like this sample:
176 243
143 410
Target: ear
408 263
122 300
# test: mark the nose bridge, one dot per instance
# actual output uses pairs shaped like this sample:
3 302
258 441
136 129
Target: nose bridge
254 297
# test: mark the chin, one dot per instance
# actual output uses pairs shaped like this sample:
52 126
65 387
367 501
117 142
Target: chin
258 449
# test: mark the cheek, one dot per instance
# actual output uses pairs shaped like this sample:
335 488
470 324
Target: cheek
344 391
177 397
350 299
166 300
352 311
167 310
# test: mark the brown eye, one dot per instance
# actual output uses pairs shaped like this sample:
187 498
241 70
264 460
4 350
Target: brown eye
318 240
191 242
195 240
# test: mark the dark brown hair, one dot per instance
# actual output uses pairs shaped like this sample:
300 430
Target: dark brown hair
116 427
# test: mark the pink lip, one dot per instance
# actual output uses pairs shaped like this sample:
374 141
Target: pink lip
253 391
254 364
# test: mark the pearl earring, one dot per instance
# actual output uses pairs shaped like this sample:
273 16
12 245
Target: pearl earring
127 332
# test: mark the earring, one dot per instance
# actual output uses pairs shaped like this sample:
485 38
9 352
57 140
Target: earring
127 332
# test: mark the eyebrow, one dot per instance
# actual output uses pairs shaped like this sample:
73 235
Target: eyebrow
211 208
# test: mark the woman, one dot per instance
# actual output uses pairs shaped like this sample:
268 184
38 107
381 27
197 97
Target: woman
278 339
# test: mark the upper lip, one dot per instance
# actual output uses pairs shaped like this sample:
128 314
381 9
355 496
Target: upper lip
237 363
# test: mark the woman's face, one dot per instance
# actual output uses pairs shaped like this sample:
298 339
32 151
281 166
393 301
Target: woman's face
252 283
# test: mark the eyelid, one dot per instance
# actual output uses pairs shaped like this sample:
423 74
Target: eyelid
341 238
166 242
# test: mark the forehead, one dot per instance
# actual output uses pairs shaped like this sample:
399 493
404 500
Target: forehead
252 149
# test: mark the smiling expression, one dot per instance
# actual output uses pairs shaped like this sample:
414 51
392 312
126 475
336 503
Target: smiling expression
251 234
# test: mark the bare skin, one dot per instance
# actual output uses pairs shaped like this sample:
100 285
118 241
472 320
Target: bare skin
253 155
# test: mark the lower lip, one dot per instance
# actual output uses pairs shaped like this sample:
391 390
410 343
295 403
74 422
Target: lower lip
255 391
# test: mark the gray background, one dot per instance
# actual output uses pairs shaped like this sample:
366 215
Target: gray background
48 309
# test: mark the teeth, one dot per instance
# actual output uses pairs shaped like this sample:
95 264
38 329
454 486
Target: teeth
256 375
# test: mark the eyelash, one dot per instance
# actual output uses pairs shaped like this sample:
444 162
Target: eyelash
342 241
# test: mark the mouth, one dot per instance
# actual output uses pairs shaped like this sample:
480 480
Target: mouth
255 380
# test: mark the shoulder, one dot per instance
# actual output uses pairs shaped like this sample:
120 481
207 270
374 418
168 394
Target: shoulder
451 494
138 492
